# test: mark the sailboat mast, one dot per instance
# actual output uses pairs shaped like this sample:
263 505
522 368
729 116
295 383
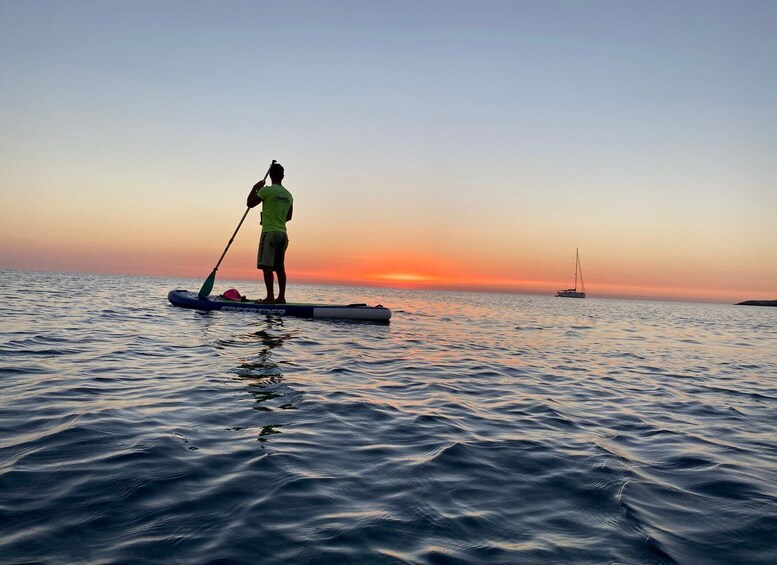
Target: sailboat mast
577 263
580 267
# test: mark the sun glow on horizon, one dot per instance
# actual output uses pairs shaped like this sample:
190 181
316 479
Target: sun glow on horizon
405 277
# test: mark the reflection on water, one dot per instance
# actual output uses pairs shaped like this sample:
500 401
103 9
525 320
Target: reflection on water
262 375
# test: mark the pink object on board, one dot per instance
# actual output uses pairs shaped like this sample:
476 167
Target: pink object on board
232 294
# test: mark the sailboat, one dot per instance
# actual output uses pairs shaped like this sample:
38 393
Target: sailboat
573 292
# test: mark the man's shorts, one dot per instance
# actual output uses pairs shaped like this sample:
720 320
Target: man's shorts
272 250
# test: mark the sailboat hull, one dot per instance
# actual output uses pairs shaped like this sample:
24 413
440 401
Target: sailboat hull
570 294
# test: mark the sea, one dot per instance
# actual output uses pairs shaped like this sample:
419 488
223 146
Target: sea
474 428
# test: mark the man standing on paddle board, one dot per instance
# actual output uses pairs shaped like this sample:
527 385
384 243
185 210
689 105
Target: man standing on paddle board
277 207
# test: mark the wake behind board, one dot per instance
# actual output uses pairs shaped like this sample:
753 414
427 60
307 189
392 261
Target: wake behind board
187 299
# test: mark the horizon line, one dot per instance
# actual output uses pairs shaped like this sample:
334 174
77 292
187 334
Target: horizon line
408 285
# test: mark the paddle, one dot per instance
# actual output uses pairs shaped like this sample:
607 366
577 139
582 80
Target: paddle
207 286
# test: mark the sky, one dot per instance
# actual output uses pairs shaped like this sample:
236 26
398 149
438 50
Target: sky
434 144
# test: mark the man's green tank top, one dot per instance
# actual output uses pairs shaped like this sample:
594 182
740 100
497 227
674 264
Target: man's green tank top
276 201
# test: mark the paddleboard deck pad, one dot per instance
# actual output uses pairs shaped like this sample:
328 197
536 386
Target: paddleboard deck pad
187 299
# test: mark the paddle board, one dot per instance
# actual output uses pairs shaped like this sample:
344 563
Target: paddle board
187 299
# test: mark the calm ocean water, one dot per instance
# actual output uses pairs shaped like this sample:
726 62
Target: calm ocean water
475 428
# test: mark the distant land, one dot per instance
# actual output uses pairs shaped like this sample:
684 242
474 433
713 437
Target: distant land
757 303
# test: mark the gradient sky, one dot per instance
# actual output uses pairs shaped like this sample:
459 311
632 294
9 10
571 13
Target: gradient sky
427 144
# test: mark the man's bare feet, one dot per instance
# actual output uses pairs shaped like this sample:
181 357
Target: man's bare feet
266 301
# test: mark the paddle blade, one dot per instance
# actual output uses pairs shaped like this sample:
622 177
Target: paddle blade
207 286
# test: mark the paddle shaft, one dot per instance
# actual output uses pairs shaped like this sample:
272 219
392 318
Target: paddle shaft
231 239
237 229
